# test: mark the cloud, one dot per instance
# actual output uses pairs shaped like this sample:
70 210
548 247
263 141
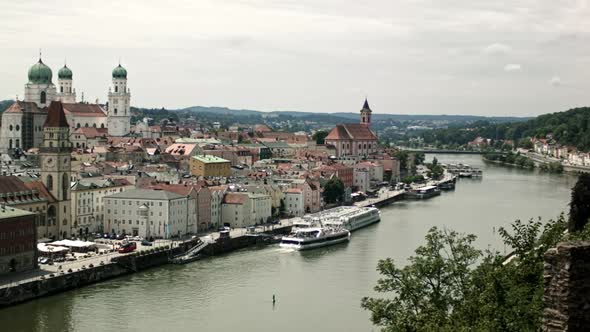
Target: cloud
556 81
512 67
497 49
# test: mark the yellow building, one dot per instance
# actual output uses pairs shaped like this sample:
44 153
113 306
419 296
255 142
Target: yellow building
207 166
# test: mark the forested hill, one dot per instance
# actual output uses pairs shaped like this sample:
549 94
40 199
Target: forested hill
571 127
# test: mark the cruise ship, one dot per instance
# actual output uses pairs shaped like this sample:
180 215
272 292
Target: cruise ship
348 217
314 237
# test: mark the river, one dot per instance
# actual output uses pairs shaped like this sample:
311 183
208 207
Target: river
319 290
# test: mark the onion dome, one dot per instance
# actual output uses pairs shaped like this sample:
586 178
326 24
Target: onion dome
40 73
119 72
65 73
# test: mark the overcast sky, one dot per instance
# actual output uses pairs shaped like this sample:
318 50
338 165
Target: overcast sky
518 57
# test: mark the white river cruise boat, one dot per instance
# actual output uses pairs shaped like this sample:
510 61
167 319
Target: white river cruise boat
314 237
354 218
348 217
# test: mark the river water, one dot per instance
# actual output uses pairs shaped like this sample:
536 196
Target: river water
319 290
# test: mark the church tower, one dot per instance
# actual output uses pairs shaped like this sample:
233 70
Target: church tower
366 114
55 159
119 114
40 88
66 94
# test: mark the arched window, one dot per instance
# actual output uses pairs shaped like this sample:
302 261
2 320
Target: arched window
43 97
51 216
102 125
115 111
65 185
17 144
94 125
49 182
10 143
116 88
365 145
86 125
10 127
78 125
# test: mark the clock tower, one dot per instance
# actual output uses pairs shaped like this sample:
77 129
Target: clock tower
55 158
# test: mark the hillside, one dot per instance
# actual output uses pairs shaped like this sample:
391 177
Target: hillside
571 127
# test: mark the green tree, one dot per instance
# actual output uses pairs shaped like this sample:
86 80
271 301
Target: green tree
426 291
320 136
580 204
333 190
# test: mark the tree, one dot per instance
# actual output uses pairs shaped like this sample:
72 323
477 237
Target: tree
428 288
580 204
441 289
320 136
333 190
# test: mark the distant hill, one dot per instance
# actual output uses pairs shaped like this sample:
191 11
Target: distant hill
349 116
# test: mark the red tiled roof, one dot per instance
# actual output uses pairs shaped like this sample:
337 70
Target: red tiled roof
293 191
349 131
180 189
11 184
91 132
23 106
56 116
235 198
79 109
40 187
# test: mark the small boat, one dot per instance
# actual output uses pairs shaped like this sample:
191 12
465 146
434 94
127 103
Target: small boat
314 237
423 192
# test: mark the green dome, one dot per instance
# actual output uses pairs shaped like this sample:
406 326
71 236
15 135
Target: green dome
65 73
119 72
40 73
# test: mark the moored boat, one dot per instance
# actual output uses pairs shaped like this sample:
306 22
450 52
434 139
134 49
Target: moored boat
314 237
423 192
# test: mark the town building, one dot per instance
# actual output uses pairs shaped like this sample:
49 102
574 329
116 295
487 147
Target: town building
18 240
354 139
88 202
294 202
147 213
243 209
209 166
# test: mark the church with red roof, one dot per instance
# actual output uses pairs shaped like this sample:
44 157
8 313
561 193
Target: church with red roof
354 139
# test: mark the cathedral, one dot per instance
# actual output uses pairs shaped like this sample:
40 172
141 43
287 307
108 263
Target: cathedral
22 122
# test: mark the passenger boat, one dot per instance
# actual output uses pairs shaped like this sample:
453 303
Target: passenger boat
355 218
314 237
423 192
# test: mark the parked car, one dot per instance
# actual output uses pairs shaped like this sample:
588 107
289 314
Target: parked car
137 238
43 260
128 247
146 243
120 237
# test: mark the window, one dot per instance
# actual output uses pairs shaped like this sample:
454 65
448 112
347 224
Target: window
49 182
10 143
115 111
43 97
17 127
86 125
10 127
116 88
102 125
78 125
61 89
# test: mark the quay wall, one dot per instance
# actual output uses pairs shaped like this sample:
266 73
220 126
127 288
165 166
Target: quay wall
240 242
70 280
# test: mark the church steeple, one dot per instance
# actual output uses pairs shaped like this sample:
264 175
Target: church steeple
366 114
55 159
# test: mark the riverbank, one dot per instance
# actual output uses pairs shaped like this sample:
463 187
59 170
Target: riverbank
102 268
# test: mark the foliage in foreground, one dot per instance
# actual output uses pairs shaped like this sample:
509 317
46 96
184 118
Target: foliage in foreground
442 289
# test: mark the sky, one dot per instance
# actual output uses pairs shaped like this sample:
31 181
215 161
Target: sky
505 58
